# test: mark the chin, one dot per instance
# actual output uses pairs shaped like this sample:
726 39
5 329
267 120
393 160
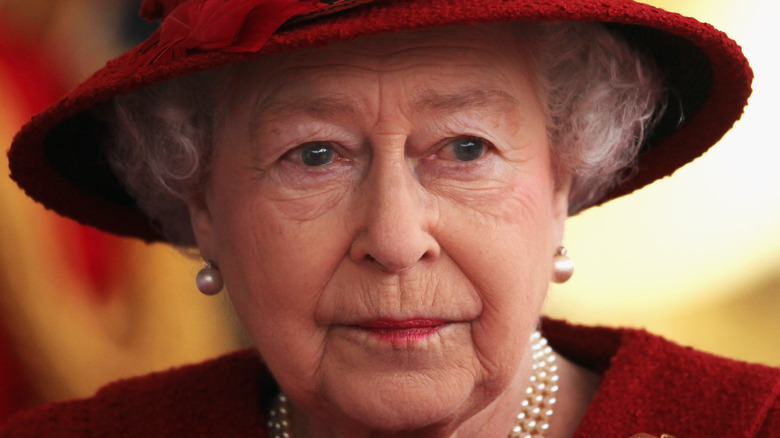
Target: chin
406 403
404 417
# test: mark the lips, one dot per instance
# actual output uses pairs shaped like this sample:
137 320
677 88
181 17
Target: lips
402 330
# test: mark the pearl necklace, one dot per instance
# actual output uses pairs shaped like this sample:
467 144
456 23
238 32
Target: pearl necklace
533 421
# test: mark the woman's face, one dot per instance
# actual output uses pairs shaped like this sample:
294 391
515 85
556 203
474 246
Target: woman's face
384 214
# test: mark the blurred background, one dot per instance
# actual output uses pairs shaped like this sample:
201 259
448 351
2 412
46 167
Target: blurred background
694 258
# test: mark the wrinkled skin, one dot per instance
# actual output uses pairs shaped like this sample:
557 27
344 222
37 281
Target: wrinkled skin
435 198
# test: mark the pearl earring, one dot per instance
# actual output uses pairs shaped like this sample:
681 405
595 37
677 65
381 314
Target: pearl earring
563 266
209 280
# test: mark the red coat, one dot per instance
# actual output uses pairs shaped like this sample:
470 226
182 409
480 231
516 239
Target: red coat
649 386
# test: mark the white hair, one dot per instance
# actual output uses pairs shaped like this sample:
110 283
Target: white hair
600 97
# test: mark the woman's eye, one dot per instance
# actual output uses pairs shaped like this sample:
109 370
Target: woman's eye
316 154
466 149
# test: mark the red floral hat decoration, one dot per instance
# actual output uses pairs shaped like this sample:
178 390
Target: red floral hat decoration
56 156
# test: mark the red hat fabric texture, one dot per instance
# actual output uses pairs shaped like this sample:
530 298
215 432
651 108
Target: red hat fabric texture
56 156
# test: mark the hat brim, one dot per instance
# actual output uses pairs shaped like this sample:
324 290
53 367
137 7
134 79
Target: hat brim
57 160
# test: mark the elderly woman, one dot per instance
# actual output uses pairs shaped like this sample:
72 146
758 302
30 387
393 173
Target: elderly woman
382 187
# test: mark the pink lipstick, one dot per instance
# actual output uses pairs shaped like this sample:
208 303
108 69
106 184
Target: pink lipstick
403 330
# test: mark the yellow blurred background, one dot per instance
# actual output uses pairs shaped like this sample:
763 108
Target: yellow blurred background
80 308
694 257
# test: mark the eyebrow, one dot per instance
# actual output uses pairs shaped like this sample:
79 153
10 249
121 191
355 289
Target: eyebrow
274 107
324 107
317 106
343 106
430 100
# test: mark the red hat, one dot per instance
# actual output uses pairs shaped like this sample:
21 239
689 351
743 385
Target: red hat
57 160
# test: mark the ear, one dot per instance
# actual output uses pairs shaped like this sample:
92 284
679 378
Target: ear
202 226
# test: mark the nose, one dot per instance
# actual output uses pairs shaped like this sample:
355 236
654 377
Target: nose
395 217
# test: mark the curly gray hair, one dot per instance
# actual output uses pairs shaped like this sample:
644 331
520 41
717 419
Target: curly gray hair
600 95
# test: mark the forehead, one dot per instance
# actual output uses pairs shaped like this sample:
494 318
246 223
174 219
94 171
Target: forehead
446 61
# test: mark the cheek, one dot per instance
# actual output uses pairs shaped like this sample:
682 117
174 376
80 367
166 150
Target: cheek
503 246
279 263
276 243
275 267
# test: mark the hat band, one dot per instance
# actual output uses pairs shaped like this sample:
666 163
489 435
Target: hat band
225 26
